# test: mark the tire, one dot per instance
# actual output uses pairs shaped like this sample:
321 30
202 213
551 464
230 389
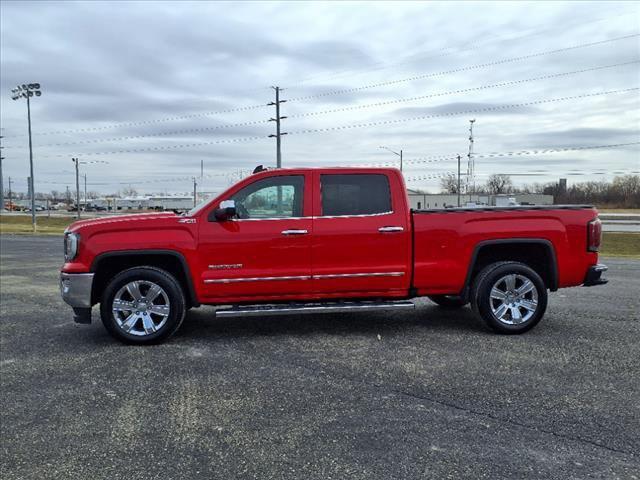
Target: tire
509 297
448 301
142 305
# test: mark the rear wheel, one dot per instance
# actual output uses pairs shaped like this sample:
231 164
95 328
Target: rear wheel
510 297
142 305
448 301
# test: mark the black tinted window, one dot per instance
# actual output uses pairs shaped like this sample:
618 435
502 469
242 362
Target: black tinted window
364 194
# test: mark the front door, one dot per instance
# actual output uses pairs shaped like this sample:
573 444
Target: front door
265 252
361 241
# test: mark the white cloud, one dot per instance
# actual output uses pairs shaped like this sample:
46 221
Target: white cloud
103 63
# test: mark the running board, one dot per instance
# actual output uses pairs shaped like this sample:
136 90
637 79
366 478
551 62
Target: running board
304 308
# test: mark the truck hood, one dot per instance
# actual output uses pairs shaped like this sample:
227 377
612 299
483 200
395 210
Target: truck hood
119 221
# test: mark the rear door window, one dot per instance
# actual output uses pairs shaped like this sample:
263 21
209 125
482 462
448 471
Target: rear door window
357 194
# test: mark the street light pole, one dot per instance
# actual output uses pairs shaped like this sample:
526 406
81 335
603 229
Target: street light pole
195 192
458 189
75 160
28 91
33 191
395 153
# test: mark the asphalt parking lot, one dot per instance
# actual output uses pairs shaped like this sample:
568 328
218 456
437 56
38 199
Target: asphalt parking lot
423 394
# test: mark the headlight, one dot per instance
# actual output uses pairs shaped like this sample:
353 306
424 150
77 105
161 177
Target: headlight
71 242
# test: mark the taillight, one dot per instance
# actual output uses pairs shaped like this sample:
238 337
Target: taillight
594 235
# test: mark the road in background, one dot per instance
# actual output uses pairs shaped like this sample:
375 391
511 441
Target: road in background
422 394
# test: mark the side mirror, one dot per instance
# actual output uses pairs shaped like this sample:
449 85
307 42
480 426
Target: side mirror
226 211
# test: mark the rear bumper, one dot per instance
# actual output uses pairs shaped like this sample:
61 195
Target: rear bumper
594 275
75 289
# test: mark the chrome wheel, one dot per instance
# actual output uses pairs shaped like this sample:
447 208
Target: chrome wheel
513 299
141 307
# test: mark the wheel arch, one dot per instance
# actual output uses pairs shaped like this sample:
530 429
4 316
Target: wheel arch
541 257
108 264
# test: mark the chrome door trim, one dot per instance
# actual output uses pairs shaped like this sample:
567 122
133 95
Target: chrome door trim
255 279
358 275
304 277
294 232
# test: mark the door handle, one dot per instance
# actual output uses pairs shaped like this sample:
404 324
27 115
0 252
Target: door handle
294 232
390 229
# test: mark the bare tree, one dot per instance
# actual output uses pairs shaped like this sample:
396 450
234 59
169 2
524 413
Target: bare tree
498 183
622 192
129 192
449 184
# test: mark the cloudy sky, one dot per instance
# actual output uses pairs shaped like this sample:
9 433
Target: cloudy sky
153 88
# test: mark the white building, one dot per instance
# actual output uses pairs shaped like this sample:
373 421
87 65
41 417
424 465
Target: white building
427 201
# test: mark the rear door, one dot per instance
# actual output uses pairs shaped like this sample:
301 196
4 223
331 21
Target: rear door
265 251
361 239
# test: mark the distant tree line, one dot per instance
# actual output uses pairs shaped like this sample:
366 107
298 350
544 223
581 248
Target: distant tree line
622 192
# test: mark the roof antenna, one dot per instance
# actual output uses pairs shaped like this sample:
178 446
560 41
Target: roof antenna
258 169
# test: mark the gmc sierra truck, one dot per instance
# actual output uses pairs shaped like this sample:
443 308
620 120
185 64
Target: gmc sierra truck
295 241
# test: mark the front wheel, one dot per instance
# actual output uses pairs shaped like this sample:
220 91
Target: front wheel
510 297
142 305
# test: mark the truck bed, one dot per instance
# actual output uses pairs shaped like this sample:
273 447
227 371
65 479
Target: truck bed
447 242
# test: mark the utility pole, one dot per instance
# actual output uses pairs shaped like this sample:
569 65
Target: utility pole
85 190
75 160
10 203
195 186
1 180
201 170
471 179
278 137
278 133
459 180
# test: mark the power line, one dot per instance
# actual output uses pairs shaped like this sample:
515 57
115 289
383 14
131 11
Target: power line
147 122
461 69
160 134
467 46
336 110
462 90
357 125
165 147
554 150
538 174
461 112
542 151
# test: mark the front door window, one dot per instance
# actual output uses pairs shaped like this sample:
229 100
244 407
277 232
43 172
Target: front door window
273 197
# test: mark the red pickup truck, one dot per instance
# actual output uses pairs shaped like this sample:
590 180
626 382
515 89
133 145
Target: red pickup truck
293 241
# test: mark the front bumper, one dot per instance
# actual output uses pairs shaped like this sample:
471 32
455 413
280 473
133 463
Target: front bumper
76 289
594 275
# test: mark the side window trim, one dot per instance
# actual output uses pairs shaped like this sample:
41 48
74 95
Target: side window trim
381 214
